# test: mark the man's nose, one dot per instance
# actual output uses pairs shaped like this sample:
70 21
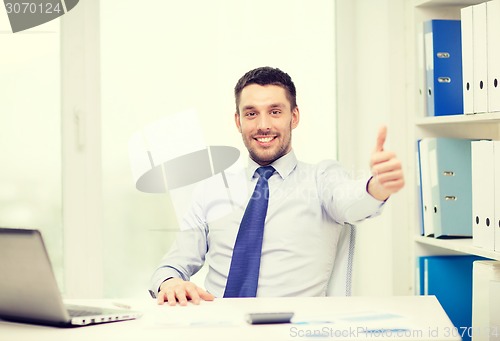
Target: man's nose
264 122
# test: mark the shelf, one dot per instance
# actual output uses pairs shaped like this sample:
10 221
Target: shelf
493 117
441 3
458 245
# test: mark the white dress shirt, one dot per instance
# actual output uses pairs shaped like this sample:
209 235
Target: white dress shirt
308 205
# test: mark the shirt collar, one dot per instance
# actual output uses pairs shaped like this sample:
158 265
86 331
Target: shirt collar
284 165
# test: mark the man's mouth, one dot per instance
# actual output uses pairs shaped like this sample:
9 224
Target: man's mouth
265 139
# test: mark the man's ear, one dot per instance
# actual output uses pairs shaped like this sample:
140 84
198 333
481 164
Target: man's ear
237 121
295 117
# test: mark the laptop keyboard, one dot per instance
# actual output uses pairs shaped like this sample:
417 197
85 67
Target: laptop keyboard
76 312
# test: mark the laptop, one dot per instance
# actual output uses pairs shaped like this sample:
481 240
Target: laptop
29 291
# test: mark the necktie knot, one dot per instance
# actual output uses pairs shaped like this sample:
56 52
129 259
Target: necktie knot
265 172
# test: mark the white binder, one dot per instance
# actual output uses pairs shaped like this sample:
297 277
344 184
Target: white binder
467 59
483 298
494 309
483 194
493 48
480 55
496 224
422 86
426 188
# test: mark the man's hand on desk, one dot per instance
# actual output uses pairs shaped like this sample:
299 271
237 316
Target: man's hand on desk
176 290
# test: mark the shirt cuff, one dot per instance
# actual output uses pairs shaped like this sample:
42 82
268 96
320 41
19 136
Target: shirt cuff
160 276
366 188
365 207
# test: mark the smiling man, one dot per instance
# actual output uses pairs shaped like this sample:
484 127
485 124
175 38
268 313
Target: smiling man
281 240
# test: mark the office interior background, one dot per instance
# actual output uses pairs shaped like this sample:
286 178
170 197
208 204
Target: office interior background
75 89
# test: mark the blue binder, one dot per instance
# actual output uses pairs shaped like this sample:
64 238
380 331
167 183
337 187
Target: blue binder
451 173
449 278
443 67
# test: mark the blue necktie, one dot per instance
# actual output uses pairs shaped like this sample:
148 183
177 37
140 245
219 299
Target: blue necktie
245 263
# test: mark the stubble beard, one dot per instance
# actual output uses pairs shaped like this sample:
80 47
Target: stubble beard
265 156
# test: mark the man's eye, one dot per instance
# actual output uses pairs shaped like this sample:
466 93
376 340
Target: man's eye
251 113
275 112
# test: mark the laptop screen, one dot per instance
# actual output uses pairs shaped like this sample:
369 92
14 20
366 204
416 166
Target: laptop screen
28 289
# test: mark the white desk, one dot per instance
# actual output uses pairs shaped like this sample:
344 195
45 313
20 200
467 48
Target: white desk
341 318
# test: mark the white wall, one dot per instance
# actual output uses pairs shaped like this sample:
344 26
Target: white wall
371 92
177 55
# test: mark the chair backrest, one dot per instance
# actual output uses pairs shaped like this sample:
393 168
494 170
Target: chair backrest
340 283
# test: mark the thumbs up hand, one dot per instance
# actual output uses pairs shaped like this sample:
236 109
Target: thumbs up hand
387 174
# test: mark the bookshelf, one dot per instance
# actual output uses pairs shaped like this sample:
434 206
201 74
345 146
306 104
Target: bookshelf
444 3
487 118
470 126
463 246
476 126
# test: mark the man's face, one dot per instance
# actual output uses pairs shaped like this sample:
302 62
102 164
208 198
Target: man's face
265 121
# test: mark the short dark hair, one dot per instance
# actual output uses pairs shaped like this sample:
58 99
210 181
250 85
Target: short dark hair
267 76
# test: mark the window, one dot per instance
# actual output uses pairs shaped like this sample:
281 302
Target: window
30 134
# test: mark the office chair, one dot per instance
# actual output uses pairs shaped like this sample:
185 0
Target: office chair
340 283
